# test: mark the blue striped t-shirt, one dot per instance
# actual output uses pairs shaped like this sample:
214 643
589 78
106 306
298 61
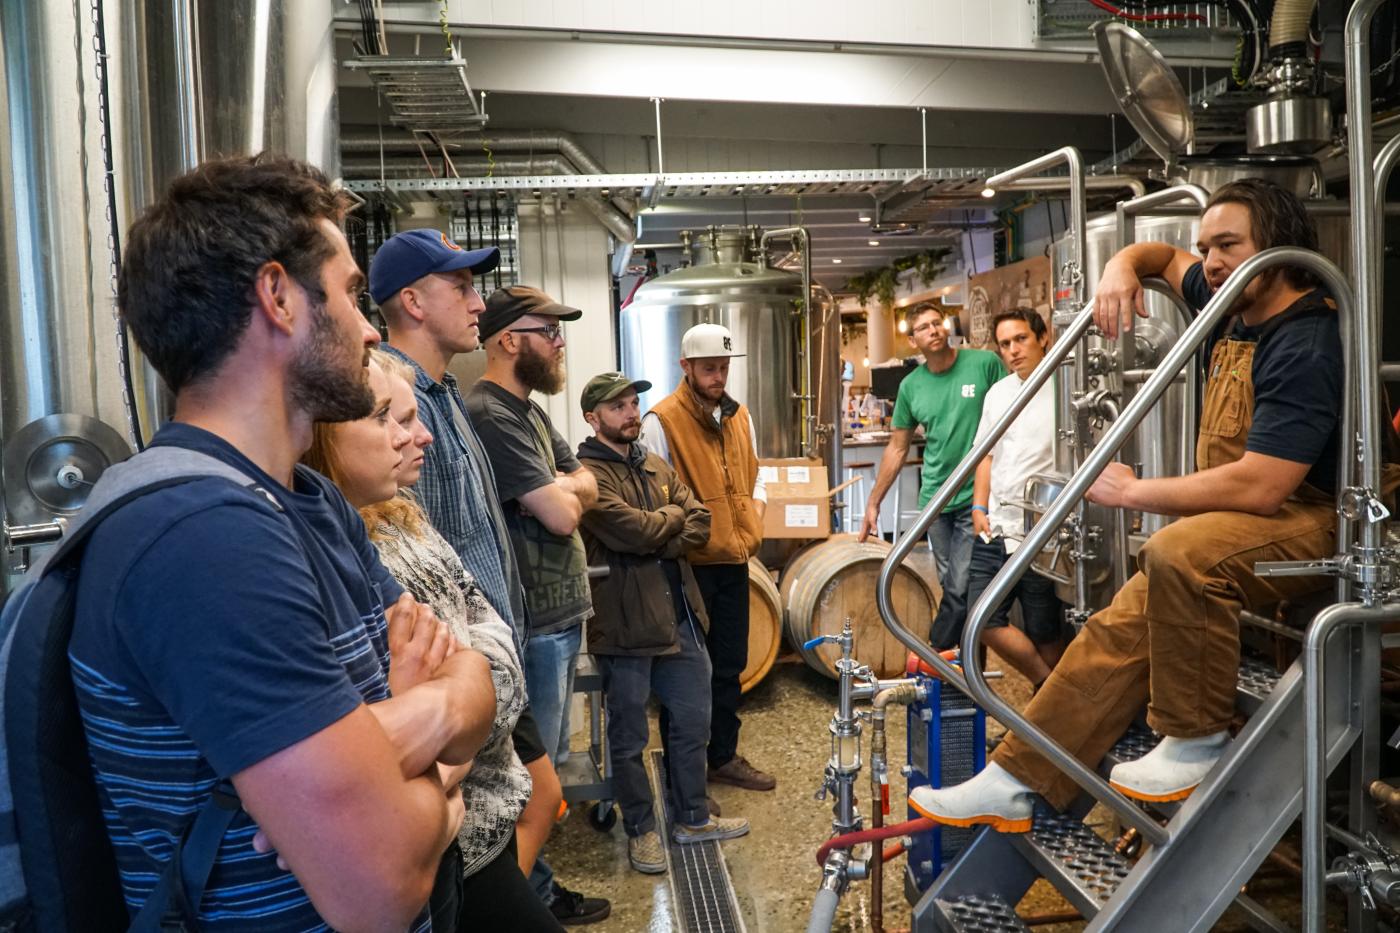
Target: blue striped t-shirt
209 635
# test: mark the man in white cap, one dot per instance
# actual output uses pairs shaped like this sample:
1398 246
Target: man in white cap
709 438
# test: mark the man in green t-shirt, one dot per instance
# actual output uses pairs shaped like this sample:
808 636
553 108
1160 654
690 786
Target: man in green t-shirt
945 396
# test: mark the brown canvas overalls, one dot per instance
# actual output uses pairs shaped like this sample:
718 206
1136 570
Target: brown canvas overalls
1170 638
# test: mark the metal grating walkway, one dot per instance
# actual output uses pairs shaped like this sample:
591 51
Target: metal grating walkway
974 913
699 878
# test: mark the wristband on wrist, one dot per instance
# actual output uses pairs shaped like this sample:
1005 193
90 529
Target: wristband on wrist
980 508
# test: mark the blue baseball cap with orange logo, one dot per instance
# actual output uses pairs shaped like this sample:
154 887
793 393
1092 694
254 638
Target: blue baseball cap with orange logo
407 257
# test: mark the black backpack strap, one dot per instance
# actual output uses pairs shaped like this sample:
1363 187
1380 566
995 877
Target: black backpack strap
174 903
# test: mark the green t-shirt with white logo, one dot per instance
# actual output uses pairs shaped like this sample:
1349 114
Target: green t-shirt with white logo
949 406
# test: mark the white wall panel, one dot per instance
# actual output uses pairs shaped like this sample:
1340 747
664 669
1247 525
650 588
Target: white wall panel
565 252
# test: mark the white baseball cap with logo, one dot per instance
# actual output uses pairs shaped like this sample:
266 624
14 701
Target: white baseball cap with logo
705 340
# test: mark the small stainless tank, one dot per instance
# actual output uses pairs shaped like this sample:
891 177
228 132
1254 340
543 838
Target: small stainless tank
757 303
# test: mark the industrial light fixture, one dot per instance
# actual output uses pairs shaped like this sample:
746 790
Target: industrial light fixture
903 326
837 261
865 361
864 218
988 193
873 242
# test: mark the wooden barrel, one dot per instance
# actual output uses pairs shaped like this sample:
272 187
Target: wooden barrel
836 578
765 625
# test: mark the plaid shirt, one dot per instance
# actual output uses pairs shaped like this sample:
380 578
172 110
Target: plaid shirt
458 492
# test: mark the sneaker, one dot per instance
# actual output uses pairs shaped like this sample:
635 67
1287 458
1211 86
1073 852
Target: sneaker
573 909
1170 771
992 797
645 853
714 828
740 773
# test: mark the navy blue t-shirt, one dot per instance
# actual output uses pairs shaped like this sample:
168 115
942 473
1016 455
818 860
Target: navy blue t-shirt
1297 374
210 634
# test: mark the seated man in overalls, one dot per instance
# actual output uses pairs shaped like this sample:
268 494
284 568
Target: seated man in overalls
1266 461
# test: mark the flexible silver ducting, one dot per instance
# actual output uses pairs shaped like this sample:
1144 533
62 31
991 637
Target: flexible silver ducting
1289 24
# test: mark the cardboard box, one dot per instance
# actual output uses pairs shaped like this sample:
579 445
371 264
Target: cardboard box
799 502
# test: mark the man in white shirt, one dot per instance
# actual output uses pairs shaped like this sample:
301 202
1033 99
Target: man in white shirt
1027 448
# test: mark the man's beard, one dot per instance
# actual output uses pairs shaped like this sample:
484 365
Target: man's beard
539 373
323 381
623 435
712 396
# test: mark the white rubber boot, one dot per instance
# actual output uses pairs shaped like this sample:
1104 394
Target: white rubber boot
992 797
1170 771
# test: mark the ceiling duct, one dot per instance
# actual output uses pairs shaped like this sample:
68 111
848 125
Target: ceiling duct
615 221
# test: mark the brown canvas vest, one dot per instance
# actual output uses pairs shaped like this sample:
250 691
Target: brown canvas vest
717 462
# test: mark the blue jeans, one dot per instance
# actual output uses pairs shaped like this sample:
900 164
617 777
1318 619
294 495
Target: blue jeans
950 539
681 682
549 682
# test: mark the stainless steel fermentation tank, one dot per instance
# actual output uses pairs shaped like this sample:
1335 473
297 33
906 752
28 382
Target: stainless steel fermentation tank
183 80
731 284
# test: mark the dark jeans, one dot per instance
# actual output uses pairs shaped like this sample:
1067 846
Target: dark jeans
725 590
1042 613
950 540
496 897
681 684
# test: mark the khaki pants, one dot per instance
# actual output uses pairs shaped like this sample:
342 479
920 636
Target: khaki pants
1170 638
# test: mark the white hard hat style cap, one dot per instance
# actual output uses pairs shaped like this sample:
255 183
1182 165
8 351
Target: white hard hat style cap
705 340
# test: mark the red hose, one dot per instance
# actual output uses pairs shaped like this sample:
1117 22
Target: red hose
922 824
1146 17
892 852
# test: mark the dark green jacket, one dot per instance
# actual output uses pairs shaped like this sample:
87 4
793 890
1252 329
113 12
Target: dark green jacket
644 523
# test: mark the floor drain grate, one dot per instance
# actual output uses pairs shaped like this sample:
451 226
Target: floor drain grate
700 885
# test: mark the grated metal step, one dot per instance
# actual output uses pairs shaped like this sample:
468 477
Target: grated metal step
1257 680
1136 742
699 877
1081 866
977 913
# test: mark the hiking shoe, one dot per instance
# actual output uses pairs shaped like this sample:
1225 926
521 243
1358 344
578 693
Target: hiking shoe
740 773
716 829
1170 771
645 853
992 797
573 909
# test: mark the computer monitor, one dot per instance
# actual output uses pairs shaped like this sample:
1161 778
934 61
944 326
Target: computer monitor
885 380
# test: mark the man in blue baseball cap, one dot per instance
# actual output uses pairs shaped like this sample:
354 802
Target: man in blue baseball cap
425 287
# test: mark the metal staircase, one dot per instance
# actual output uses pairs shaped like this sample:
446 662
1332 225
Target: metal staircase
1216 839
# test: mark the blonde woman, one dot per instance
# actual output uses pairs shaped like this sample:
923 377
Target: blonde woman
479 885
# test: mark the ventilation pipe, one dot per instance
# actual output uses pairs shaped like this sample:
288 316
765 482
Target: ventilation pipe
1295 120
615 221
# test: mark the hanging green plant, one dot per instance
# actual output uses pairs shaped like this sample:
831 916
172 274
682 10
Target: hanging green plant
927 264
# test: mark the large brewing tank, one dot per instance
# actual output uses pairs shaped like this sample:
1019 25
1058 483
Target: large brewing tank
762 307
182 80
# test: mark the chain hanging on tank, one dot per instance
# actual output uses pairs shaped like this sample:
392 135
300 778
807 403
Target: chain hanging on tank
104 113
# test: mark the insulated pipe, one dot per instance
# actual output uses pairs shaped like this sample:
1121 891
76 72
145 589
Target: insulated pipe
1288 25
616 222
848 840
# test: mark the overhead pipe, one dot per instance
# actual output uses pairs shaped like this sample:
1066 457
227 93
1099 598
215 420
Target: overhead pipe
616 222
806 398
1091 183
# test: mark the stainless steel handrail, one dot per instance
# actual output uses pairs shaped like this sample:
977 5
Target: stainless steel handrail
971 680
1129 211
1070 156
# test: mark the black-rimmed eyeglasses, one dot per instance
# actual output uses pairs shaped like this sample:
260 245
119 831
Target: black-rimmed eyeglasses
551 332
